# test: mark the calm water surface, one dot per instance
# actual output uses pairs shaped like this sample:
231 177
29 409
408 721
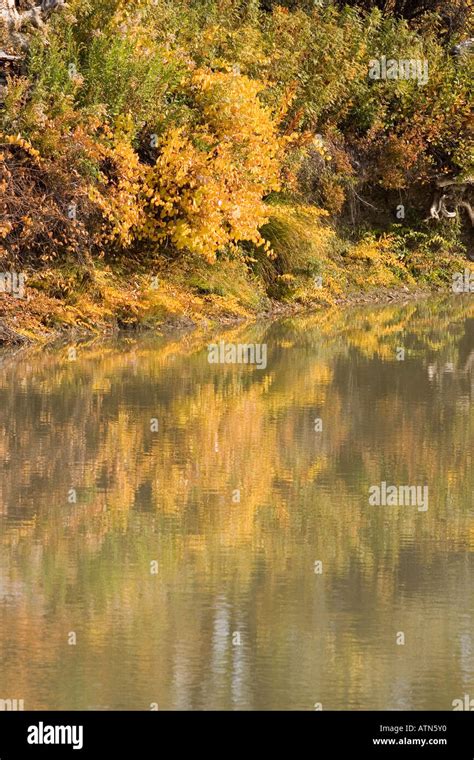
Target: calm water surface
236 496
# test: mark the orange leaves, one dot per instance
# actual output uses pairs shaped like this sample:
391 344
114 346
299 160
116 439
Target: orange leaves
5 229
39 201
20 141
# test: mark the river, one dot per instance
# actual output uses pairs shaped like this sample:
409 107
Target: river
180 534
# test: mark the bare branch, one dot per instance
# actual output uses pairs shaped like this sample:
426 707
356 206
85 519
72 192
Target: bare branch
444 210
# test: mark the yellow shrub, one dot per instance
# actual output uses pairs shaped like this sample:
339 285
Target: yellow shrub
207 187
372 249
119 195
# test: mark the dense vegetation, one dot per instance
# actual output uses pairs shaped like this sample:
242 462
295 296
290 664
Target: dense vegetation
236 149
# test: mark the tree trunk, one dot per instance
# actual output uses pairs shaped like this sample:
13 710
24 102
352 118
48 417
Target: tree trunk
14 21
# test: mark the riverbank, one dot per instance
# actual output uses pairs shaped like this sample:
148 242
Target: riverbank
77 302
189 164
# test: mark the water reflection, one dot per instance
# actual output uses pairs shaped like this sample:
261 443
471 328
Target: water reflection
236 497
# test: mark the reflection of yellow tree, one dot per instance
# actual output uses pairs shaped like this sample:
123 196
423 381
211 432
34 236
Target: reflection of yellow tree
169 496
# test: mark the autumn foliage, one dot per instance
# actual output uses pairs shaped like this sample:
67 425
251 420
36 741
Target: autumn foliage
141 127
